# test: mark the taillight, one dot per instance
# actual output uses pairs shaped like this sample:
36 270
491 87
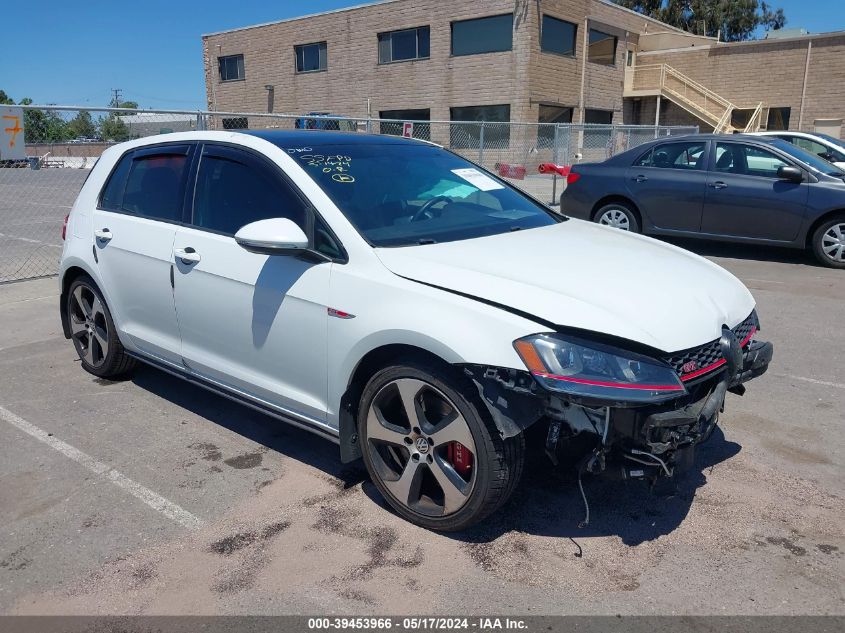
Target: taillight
64 227
572 177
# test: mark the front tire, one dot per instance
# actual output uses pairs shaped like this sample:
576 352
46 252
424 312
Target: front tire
436 458
619 215
828 242
92 331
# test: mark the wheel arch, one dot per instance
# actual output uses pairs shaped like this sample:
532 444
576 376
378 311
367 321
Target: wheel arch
617 198
808 238
370 363
68 276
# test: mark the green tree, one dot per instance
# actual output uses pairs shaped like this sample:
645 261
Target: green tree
6 99
732 20
43 126
113 129
82 125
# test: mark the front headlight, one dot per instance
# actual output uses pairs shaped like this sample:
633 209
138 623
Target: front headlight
597 372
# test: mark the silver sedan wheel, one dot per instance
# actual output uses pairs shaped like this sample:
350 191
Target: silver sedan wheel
615 218
833 242
88 326
421 447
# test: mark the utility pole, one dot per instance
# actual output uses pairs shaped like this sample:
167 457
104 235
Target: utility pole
116 99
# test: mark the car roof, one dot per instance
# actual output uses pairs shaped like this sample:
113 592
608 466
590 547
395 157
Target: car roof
622 157
317 138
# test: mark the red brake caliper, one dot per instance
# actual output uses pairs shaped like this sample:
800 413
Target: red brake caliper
460 458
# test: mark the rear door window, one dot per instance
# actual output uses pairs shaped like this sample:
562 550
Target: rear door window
155 184
235 188
685 155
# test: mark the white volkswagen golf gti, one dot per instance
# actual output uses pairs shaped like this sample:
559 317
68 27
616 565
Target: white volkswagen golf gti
402 302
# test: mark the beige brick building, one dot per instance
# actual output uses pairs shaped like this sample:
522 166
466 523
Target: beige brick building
522 61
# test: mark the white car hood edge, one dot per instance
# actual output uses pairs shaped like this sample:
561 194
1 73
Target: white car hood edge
589 277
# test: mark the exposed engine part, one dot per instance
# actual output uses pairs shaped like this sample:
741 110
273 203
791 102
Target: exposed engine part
586 520
552 439
655 458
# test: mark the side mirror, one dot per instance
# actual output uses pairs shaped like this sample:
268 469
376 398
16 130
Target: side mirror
276 236
790 173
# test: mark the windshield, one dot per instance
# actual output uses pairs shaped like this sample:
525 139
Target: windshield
400 195
808 158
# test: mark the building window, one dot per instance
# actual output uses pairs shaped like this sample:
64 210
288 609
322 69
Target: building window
558 36
400 46
598 116
482 35
397 119
598 137
231 67
311 57
237 123
778 119
602 48
551 114
468 136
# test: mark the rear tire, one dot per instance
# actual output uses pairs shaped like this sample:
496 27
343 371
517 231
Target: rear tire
92 331
418 422
828 242
619 215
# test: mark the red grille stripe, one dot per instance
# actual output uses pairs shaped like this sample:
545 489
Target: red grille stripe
615 385
718 363
703 370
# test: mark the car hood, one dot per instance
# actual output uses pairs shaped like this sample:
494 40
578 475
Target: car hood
583 275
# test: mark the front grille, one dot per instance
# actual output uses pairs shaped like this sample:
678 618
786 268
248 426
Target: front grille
702 360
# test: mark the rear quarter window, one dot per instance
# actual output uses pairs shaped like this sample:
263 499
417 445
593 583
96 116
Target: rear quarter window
111 197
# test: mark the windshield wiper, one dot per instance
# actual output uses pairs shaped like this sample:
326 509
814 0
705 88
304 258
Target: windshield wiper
426 240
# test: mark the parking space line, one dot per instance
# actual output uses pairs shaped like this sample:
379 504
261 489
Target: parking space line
155 501
814 381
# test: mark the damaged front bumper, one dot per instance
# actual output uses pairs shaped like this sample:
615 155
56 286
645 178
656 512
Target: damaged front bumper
618 440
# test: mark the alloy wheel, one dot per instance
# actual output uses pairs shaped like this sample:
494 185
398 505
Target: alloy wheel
88 325
833 242
616 218
421 447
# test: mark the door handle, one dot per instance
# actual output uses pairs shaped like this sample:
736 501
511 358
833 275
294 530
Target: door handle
188 255
717 185
641 178
103 234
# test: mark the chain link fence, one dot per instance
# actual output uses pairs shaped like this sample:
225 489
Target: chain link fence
62 144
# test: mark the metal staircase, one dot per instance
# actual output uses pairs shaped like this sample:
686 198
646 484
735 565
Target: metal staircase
698 100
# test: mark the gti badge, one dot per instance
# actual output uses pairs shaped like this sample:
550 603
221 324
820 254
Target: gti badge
689 367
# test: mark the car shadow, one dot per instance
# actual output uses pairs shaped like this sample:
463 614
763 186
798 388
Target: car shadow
546 503
261 428
755 252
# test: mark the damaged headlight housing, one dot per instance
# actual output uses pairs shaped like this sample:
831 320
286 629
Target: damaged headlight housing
596 372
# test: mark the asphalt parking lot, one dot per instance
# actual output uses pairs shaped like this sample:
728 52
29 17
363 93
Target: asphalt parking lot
152 496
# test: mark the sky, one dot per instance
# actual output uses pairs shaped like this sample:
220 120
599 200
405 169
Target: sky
75 53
